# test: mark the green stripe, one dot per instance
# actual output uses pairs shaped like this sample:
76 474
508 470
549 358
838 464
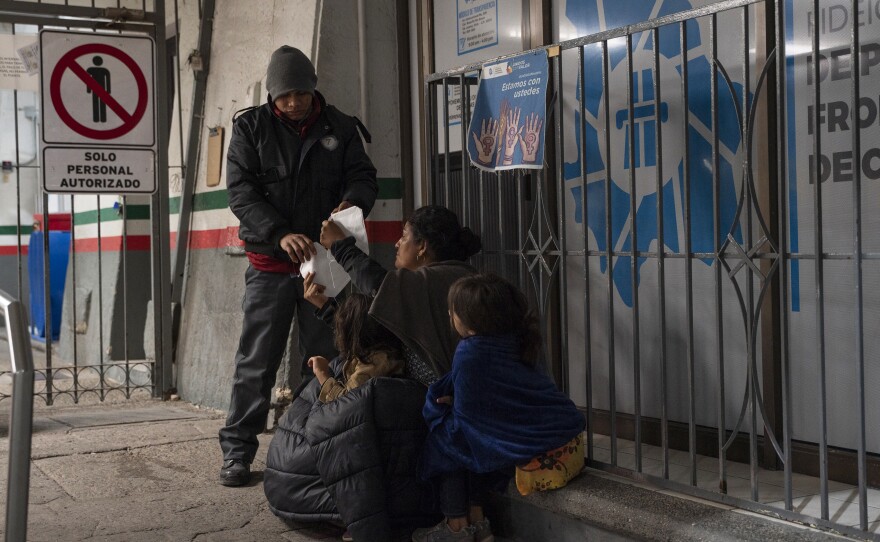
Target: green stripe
203 201
208 201
13 230
135 212
390 188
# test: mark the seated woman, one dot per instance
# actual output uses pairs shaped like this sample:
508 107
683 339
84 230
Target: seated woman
410 300
354 459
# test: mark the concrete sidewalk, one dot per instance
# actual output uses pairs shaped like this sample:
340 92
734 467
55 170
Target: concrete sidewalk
140 471
146 470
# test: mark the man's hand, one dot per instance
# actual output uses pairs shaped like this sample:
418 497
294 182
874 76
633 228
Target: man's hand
342 206
330 232
444 400
298 246
321 367
314 292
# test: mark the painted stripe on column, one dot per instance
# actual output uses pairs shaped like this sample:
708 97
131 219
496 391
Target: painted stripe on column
384 225
12 250
378 232
13 230
390 188
113 244
202 201
384 232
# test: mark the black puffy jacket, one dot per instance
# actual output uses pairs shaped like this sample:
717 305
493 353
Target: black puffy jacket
275 190
353 459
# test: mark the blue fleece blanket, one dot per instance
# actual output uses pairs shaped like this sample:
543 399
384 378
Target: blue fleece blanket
504 412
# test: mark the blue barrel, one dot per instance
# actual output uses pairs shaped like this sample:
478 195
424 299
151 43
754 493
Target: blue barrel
59 253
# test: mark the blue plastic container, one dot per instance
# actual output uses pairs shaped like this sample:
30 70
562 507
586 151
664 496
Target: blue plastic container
59 253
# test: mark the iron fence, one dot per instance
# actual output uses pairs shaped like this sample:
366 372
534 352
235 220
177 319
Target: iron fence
99 289
703 303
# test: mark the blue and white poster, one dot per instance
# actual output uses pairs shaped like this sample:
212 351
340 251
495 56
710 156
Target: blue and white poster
507 126
674 193
672 185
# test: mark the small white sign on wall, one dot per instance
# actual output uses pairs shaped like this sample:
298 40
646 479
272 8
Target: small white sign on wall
14 72
477 24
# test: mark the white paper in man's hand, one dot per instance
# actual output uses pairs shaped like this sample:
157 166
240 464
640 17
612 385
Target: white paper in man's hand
327 272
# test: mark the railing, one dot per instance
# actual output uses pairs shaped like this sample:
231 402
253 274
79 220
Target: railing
691 299
20 419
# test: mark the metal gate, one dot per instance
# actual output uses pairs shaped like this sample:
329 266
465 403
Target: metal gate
696 247
93 270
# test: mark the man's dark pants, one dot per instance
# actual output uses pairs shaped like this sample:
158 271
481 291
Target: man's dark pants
270 302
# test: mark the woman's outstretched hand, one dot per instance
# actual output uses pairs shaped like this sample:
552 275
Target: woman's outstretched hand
330 232
314 292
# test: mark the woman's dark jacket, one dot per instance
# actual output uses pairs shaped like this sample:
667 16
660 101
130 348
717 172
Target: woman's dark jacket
359 453
279 183
412 304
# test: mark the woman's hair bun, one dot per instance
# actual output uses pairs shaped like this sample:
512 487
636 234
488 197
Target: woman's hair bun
469 242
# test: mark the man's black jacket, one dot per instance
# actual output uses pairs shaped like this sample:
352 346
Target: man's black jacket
279 183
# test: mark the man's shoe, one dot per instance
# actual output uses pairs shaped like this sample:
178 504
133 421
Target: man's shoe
442 533
235 472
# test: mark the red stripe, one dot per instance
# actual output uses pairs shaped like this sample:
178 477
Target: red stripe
221 238
113 244
377 231
384 231
13 250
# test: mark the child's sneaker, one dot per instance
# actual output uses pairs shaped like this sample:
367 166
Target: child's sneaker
346 536
441 533
483 531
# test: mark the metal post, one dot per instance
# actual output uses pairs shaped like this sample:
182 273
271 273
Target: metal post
196 122
661 253
21 418
163 380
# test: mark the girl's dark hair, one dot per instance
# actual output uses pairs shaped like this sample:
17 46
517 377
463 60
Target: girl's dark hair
490 305
357 333
439 227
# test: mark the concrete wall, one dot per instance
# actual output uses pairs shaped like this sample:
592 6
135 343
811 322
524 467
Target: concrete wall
245 34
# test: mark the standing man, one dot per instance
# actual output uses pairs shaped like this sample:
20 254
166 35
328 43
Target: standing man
291 162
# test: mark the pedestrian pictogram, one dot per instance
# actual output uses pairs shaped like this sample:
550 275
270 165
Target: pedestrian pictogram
98 112
102 79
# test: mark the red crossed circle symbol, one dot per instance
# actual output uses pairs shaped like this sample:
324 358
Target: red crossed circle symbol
129 120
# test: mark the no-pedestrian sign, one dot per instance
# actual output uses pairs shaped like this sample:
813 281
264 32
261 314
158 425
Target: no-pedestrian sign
99 125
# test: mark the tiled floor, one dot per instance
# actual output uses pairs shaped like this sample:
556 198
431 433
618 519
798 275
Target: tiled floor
843 499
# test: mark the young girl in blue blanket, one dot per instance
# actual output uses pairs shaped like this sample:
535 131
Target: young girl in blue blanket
493 411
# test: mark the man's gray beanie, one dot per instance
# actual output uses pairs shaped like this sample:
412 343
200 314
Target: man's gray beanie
290 70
